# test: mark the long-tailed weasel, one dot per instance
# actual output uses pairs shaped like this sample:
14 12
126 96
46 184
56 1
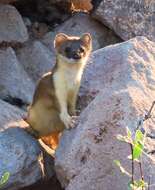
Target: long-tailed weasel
54 101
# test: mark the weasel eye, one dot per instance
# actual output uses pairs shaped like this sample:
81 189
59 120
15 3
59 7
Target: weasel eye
81 50
67 49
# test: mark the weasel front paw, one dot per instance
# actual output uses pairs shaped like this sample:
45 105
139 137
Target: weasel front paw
74 121
68 120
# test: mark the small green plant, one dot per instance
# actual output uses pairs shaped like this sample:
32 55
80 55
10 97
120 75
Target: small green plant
4 179
136 144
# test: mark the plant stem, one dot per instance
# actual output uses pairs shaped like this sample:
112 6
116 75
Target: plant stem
132 172
146 117
149 112
141 172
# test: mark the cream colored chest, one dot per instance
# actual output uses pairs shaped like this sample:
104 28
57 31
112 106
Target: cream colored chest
67 80
71 79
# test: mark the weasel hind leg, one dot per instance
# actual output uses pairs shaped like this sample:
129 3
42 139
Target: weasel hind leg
52 140
32 132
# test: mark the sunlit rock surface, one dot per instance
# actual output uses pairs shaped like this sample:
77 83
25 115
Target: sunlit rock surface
123 77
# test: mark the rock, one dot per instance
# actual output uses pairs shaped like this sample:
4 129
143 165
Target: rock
36 59
12 28
48 41
14 81
82 23
128 18
7 1
95 3
51 13
27 22
123 76
25 165
9 115
52 183
22 157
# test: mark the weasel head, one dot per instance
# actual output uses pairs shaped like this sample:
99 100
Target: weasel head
73 49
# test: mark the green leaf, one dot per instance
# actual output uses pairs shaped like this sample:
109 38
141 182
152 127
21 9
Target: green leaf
136 185
122 169
123 139
139 136
120 138
139 183
138 145
4 178
130 158
137 150
117 162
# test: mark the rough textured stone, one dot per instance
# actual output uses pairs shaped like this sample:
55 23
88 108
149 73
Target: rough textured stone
12 28
21 156
7 1
48 40
14 81
83 23
123 78
128 18
36 59
9 115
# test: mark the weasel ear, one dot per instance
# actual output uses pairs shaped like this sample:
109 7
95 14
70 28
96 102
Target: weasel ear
87 39
59 39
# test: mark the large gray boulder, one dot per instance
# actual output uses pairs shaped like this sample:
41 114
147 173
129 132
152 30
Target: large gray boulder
22 157
12 28
123 78
36 59
10 115
128 18
14 81
82 23
20 154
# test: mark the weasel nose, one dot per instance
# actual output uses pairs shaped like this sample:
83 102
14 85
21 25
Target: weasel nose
76 56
